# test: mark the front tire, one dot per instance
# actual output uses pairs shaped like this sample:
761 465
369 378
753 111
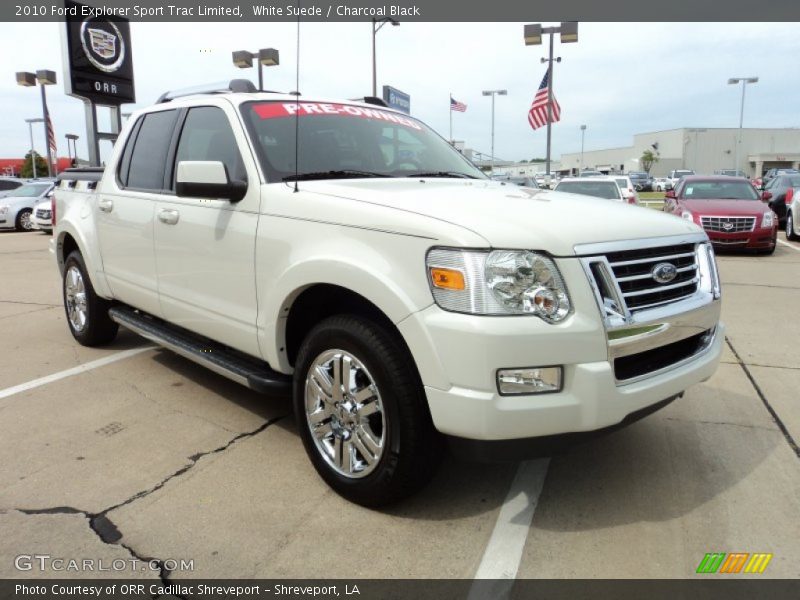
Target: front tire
87 313
362 413
790 234
23 222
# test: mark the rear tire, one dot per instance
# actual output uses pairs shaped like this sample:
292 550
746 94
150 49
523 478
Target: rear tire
87 313
23 222
362 413
790 234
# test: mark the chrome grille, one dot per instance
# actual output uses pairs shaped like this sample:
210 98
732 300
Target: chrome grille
626 277
42 213
728 224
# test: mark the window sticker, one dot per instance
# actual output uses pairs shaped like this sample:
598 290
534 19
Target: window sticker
273 110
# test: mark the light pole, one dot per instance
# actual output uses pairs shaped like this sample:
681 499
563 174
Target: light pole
533 37
30 123
494 93
744 81
43 77
376 27
268 57
583 134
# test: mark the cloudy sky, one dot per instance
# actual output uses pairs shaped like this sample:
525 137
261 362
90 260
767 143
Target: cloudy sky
619 79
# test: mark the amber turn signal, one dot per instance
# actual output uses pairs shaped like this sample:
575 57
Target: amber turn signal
447 279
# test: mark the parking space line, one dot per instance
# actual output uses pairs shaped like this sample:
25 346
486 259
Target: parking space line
792 246
504 551
100 362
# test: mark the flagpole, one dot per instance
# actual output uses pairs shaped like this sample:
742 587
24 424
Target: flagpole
549 101
451 119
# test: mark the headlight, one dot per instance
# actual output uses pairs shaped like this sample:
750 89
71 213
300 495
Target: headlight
687 215
709 274
502 282
767 220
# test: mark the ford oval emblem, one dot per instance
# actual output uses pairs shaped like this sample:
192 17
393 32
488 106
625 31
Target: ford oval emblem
664 272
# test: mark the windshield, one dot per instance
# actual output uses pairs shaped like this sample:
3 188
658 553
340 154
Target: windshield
637 175
599 189
30 190
719 190
679 174
343 141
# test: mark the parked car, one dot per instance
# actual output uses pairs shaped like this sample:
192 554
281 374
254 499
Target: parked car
41 217
731 173
399 296
778 193
642 182
676 174
16 208
603 187
626 186
792 224
661 184
544 181
590 173
773 173
728 208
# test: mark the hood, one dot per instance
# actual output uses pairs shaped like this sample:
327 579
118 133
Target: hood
509 216
726 208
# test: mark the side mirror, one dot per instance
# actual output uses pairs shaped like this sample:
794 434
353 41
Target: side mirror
670 193
766 196
207 179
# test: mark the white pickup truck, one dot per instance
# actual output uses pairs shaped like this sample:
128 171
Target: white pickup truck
370 271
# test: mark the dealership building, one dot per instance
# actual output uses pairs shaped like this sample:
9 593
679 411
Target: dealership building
704 150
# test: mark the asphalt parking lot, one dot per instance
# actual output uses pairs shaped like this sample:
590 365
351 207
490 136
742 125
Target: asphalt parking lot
141 453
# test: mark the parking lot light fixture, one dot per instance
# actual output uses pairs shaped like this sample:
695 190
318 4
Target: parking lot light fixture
568 31
494 93
744 81
43 77
30 123
376 27
583 135
267 57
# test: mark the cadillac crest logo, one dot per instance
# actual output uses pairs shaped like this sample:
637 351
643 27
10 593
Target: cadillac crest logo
727 225
664 272
102 44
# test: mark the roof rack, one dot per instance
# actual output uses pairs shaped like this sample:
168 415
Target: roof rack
234 85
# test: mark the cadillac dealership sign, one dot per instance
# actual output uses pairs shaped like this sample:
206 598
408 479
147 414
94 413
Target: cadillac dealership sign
98 57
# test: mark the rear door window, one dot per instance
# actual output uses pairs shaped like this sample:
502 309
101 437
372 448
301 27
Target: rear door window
149 157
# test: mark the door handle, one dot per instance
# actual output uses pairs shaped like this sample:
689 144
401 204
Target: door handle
105 204
168 216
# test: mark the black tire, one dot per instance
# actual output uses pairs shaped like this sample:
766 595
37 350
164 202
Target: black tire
411 447
23 221
97 328
790 234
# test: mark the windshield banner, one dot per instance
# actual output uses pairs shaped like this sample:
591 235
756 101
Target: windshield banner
272 110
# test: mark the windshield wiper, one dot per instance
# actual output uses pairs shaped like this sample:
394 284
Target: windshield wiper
443 174
338 174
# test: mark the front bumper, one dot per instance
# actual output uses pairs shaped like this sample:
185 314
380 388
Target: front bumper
758 239
458 357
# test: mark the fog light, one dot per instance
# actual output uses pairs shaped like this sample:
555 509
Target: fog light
528 380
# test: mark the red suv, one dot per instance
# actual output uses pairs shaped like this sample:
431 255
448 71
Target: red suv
728 208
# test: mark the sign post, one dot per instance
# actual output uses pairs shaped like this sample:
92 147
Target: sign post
98 69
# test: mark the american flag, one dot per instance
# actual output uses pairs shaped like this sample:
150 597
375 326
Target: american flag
537 115
457 106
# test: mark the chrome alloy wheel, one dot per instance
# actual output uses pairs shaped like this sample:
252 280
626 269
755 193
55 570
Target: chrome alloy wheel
75 295
25 220
345 414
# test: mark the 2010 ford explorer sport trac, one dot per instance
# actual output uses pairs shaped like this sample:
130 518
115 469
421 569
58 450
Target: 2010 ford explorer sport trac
369 270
